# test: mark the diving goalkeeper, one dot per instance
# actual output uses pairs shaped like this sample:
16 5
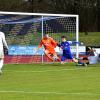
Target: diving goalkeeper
49 46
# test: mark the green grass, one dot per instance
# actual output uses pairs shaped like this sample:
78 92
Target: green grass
50 82
91 39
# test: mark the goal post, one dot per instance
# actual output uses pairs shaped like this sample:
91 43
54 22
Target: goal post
77 36
24 31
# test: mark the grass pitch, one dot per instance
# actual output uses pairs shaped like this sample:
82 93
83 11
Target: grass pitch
50 82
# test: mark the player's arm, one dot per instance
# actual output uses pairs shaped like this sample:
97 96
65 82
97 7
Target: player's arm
75 42
60 45
54 42
40 44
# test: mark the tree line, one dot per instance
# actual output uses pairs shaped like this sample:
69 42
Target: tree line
88 10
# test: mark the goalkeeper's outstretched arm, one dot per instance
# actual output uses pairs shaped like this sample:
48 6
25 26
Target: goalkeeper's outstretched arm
39 46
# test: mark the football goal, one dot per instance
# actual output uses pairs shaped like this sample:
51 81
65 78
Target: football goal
24 31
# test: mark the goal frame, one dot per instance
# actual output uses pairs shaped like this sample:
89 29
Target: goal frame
47 14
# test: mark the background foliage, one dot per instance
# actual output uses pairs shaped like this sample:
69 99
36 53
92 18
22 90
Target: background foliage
88 10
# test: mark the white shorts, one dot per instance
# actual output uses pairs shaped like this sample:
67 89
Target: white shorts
1 54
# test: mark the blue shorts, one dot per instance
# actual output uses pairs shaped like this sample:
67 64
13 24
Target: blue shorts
66 56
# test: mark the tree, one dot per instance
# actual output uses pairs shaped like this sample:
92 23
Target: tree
88 10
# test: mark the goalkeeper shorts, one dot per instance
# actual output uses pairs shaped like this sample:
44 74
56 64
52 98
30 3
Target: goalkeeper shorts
50 52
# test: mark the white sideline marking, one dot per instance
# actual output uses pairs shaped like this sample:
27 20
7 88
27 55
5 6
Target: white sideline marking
54 93
45 70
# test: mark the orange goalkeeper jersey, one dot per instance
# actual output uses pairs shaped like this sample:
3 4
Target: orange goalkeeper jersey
49 43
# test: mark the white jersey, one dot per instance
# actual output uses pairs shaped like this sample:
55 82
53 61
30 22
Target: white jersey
70 42
2 43
93 59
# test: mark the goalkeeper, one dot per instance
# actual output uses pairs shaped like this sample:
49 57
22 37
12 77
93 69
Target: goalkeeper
65 46
49 46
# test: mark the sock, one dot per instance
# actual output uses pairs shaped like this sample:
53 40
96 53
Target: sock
80 63
1 64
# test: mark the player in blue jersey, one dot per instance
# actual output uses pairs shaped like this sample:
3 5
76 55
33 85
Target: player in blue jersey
67 54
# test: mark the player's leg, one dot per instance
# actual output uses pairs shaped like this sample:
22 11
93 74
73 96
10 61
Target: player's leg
1 65
47 53
70 56
74 60
80 63
1 60
63 58
54 56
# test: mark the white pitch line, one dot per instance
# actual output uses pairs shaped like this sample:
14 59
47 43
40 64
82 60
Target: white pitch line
53 93
45 70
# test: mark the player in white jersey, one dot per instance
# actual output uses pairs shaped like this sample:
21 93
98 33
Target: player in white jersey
3 44
93 59
93 56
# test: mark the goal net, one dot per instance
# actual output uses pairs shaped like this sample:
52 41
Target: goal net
24 31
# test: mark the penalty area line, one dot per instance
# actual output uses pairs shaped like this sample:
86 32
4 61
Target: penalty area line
52 93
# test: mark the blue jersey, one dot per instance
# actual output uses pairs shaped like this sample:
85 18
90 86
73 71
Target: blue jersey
65 46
